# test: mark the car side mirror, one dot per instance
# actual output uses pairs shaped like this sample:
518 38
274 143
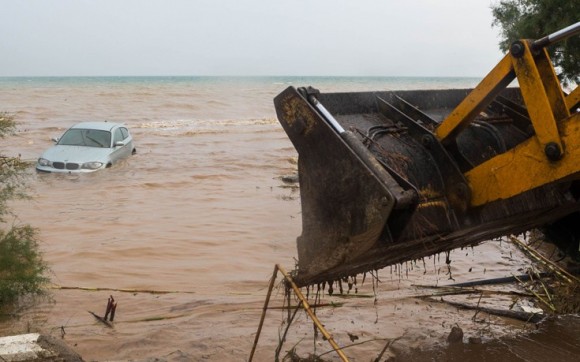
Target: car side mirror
119 144
55 139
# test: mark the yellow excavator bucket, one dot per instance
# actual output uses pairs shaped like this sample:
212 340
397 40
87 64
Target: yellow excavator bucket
388 177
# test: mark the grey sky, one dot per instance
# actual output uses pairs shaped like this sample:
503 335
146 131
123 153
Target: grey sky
251 37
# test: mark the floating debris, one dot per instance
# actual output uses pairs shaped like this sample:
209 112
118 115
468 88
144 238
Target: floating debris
109 313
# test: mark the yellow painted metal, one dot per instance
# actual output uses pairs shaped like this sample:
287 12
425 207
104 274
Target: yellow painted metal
573 99
543 102
552 86
525 167
499 78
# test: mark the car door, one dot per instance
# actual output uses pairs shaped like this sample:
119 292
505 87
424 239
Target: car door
122 144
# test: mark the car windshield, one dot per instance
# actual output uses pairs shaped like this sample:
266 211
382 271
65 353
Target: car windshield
86 137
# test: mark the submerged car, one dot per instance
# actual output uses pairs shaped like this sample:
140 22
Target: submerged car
87 147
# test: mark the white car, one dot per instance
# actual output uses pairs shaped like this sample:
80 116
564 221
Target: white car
87 147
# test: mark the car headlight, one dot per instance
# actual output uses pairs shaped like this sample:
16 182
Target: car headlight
92 165
43 162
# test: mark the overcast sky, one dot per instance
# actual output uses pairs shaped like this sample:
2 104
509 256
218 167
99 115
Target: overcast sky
247 37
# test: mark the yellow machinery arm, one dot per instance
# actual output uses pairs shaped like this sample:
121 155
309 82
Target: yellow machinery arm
552 154
573 99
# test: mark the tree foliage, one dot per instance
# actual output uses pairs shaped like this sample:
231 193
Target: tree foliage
533 19
21 266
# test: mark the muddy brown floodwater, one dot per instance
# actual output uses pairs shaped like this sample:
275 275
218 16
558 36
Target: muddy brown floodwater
185 236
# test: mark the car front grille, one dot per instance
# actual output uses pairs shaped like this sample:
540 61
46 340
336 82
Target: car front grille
68 166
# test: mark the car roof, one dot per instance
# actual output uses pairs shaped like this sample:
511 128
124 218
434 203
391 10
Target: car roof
103 126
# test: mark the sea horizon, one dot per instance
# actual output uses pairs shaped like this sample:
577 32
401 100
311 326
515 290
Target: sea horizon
227 78
243 82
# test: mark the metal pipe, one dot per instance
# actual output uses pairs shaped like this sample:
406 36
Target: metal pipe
329 118
557 36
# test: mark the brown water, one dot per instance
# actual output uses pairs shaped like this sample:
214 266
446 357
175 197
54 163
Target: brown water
185 236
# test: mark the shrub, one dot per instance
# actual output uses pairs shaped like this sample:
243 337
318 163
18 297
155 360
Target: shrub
21 266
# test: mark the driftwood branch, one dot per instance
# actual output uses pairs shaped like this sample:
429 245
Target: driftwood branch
548 263
522 316
305 306
101 319
313 316
264 310
493 281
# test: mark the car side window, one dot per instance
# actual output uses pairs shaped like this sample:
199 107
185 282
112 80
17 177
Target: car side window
118 136
125 132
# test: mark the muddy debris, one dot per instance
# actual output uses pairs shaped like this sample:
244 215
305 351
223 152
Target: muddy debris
290 179
475 340
456 335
